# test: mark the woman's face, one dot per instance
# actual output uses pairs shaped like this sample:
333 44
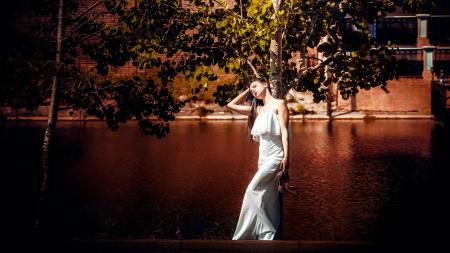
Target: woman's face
258 89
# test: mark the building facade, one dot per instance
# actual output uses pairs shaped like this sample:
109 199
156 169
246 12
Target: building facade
423 41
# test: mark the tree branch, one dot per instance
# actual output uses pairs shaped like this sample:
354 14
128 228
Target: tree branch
227 10
310 57
302 75
80 25
255 72
308 35
240 3
90 35
88 20
86 11
25 60
112 87
261 61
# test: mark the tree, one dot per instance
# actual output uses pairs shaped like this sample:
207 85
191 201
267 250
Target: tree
247 37
39 68
53 112
195 39
28 65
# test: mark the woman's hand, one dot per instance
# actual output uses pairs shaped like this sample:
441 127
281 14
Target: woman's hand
236 106
283 178
284 164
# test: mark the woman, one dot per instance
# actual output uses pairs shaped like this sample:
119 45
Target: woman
260 214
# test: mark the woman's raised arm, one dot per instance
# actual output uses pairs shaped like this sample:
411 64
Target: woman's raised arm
236 106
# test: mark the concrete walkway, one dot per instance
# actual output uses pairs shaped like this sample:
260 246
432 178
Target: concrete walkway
357 115
321 116
187 246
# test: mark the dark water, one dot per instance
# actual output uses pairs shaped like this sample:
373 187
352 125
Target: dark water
357 180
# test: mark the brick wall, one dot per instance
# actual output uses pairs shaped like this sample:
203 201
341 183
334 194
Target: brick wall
412 95
405 95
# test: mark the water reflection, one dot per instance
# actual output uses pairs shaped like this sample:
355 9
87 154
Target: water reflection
355 179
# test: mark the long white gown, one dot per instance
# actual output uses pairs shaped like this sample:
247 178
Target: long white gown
260 213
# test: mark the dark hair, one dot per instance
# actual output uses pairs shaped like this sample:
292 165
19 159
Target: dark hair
254 103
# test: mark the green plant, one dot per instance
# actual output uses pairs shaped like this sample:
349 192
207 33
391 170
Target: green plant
300 109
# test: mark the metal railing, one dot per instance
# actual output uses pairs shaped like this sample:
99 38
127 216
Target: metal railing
410 61
441 60
439 29
403 30
399 30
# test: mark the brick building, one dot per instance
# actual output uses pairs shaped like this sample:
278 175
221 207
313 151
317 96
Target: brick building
424 46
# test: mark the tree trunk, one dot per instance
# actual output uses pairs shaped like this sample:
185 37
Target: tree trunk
327 76
276 47
329 105
53 114
276 84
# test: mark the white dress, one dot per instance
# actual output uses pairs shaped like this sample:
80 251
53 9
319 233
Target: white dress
260 213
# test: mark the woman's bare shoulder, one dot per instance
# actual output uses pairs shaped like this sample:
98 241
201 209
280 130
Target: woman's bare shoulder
279 103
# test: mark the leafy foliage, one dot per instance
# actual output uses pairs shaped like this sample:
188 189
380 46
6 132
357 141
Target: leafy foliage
224 92
354 60
28 67
202 35
24 78
195 39
419 5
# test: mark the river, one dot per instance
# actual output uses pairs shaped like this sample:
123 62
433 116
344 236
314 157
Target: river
356 180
